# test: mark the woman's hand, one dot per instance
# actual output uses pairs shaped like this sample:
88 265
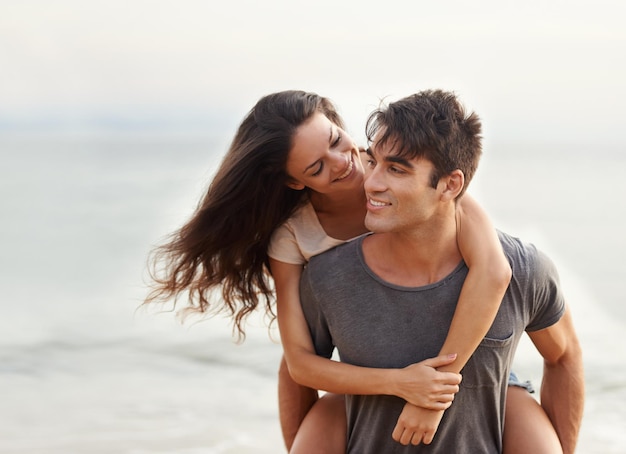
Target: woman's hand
416 425
422 385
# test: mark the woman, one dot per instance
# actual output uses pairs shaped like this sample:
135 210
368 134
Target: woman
292 184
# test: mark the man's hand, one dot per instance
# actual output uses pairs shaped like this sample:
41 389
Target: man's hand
416 425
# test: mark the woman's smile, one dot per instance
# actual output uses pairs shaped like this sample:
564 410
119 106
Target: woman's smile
348 171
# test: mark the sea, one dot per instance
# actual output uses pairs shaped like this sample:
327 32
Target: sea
85 369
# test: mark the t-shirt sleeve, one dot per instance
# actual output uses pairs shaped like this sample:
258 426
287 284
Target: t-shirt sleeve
548 302
314 315
284 247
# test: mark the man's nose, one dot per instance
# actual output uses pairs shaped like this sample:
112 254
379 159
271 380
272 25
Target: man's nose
374 182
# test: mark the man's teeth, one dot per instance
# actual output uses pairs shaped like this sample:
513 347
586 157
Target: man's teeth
377 203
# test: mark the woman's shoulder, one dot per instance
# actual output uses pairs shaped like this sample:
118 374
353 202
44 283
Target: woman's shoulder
303 215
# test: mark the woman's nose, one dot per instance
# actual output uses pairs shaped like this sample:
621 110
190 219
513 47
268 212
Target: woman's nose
339 160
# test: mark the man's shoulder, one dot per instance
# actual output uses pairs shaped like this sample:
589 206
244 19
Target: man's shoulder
535 282
332 269
336 258
531 267
521 254
338 253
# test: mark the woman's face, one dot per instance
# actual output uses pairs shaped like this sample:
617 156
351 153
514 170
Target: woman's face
324 158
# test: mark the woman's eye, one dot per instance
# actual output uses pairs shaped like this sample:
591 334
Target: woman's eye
319 170
337 140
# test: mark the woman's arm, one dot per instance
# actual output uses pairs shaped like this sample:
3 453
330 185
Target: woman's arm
419 383
486 282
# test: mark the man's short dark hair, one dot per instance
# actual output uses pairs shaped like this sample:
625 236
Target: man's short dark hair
431 124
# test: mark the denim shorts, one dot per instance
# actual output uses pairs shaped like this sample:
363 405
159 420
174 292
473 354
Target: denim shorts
514 381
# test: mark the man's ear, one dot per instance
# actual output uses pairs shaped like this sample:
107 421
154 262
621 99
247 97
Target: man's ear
295 185
453 184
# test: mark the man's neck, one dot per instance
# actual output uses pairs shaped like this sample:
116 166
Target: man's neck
414 258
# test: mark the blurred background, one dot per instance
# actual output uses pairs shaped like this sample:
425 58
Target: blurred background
114 116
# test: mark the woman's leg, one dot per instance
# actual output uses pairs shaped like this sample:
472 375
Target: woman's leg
324 428
527 428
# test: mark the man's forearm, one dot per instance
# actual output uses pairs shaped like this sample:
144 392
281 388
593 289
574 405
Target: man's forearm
562 397
294 402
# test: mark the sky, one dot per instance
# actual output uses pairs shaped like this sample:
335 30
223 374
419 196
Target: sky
534 70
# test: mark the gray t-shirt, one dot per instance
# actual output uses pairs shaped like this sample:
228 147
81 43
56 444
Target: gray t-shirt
374 323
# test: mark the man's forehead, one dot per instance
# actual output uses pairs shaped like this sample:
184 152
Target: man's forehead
386 148
390 149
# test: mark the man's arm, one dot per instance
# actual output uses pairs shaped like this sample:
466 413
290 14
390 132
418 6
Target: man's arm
294 402
562 387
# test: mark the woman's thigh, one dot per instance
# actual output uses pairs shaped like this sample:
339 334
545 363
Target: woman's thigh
527 428
323 430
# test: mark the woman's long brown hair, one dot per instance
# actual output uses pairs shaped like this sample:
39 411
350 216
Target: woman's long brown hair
218 260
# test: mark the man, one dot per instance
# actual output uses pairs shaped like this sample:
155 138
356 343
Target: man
386 300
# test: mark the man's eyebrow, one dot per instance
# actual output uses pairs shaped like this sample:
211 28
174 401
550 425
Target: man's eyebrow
395 159
399 160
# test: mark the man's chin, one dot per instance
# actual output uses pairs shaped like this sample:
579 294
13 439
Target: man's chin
375 225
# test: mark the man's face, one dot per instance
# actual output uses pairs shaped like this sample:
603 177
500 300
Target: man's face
399 195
